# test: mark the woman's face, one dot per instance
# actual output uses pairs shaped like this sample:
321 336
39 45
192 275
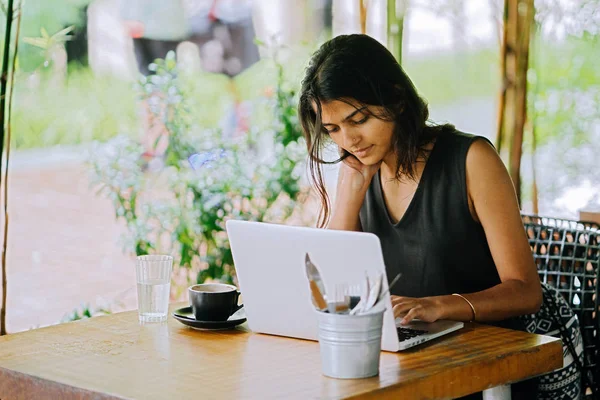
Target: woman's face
356 130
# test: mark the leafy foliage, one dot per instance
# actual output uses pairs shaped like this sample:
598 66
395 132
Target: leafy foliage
178 203
85 311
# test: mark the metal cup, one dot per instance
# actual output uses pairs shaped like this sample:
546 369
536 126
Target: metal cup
350 344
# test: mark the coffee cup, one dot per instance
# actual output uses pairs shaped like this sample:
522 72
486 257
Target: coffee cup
213 301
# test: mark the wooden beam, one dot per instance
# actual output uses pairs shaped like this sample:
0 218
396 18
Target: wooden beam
518 19
363 16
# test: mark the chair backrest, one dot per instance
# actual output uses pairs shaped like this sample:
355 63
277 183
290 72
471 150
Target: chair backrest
567 255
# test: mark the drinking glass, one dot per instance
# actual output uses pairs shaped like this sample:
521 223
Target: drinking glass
153 273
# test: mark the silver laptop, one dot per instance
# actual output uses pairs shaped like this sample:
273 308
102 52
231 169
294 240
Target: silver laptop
269 262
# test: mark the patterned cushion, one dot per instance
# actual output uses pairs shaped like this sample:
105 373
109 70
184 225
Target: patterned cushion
555 318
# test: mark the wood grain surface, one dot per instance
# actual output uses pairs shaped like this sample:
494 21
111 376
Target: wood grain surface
114 356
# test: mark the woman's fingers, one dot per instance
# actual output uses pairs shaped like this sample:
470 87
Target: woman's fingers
402 308
401 305
410 308
399 299
353 162
412 314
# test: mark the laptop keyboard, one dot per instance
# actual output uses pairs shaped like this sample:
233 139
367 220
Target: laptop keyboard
407 333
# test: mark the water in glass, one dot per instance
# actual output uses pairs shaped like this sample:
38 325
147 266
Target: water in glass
153 299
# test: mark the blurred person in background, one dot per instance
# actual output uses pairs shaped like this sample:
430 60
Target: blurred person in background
156 28
223 32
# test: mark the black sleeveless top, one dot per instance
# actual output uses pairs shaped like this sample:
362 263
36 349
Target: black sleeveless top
437 245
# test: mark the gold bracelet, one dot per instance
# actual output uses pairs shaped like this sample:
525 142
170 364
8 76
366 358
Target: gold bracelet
470 304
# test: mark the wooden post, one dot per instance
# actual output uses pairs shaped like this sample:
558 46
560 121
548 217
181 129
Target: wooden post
8 74
534 187
3 108
532 119
518 19
363 16
503 77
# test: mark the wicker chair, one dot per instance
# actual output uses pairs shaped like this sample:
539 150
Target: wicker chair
567 255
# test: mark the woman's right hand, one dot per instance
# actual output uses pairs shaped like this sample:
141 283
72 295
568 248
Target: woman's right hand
353 181
356 174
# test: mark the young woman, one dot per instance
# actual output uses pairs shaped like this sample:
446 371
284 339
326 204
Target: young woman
440 201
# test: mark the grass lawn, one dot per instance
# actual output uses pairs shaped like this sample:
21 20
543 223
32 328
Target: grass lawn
89 107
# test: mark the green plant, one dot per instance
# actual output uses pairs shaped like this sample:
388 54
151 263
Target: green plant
179 201
85 311
53 16
47 42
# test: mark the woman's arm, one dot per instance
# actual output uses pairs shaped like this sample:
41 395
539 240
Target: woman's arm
494 205
353 181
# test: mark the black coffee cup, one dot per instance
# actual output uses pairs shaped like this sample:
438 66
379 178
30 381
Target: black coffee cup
213 301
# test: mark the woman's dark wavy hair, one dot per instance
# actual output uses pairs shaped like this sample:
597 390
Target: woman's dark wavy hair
358 69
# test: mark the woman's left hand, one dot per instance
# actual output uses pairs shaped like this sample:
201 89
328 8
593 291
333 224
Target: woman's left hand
427 309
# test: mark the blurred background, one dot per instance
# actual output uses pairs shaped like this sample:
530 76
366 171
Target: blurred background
140 126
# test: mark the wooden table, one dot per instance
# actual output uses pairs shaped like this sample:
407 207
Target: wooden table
113 356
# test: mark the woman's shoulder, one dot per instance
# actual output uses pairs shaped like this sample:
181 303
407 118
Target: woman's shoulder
475 150
457 145
463 139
